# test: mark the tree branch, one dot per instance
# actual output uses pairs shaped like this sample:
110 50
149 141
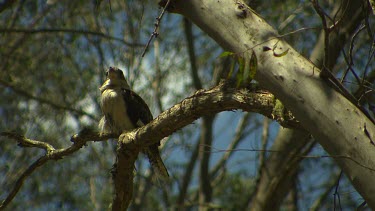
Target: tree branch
123 175
55 105
71 31
187 177
220 98
224 97
78 140
321 109
25 142
237 138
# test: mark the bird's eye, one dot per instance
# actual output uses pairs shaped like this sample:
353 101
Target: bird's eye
106 73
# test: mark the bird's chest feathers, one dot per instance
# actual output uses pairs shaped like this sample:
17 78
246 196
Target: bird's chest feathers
114 108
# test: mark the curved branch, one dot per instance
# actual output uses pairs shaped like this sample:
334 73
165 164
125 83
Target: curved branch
78 140
223 97
323 111
25 142
41 161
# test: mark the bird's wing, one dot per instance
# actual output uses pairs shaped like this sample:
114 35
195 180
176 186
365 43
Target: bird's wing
138 111
139 114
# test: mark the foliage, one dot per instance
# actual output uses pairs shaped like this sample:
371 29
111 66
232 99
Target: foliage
52 60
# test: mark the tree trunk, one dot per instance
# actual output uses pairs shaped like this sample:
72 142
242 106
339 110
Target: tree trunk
339 126
351 17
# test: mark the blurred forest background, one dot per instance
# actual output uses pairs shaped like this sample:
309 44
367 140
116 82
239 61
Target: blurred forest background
53 56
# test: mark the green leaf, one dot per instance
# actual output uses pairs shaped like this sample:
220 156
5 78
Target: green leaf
281 54
226 54
253 66
232 65
246 71
239 80
241 63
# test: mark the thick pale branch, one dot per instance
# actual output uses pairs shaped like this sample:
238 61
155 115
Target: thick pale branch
338 124
294 139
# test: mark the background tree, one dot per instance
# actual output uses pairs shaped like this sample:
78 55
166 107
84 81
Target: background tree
53 58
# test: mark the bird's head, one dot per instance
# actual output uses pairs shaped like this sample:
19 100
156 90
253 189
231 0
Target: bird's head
115 78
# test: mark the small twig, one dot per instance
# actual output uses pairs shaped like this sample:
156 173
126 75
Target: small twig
157 23
365 93
337 193
25 142
350 63
326 30
325 74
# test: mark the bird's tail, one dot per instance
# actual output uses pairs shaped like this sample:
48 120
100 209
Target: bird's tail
156 162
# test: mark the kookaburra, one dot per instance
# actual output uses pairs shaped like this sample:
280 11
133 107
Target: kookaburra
123 110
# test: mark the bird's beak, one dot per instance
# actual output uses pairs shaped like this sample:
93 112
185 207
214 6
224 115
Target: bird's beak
110 72
111 69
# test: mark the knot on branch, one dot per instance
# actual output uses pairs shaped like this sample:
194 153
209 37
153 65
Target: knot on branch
241 10
127 144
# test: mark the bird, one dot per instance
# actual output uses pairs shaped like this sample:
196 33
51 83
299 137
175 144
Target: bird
123 109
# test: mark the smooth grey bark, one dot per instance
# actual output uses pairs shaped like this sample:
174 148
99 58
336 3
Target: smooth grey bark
339 126
350 18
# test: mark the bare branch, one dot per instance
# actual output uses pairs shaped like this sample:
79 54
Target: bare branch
337 193
187 175
79 140
224 97
25 142
155 32
204 102
44 101
71 31
323 197
193 63
237 138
